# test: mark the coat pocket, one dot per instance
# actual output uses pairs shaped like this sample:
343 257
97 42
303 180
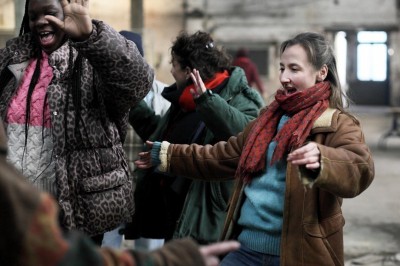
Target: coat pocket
103 182
105 201
323 242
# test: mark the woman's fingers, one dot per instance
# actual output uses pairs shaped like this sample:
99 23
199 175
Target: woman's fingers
211 252
308 155
144 160
198 83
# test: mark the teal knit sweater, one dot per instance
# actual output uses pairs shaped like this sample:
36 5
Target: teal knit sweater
262 211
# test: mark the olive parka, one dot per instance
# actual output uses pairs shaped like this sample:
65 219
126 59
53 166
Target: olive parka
312 231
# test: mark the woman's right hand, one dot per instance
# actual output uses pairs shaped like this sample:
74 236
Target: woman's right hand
77 22
144 161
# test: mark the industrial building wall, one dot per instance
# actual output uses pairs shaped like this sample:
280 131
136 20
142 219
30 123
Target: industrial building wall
260 24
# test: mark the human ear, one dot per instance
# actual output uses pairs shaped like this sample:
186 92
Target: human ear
187 72
322 73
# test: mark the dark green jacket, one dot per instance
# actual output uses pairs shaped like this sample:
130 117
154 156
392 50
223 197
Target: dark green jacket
224 115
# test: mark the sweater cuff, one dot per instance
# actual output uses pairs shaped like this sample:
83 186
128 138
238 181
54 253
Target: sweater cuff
155 153
159 156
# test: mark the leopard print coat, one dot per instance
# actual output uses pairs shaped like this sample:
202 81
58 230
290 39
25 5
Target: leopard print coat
94 190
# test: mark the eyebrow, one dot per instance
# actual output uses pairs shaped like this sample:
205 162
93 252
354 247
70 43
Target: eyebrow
290 65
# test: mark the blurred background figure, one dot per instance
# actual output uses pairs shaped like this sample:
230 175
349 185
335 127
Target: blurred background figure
250 69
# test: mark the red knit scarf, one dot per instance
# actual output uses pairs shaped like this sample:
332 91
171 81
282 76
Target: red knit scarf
186 99
304 107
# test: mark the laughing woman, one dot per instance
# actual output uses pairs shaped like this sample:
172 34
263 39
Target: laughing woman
294 165
66 86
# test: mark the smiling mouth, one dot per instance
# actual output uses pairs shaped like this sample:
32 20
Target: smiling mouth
290 90
46 37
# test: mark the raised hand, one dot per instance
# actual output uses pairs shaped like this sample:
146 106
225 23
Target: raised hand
199 87
308 155
77 23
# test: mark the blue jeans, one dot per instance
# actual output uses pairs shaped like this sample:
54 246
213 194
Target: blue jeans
244 256
113 239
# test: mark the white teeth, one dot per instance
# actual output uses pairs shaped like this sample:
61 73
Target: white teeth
42 34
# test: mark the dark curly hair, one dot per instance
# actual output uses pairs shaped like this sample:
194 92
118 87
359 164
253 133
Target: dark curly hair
200 52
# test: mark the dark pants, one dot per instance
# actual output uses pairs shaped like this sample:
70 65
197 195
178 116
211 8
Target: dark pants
247 257
97 239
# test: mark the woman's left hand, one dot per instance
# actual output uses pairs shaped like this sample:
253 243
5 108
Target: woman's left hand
77 23
199 87
308 155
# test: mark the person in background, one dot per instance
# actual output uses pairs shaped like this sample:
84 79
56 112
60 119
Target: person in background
171 206
132 145
31 236
293 165
250 69
66 86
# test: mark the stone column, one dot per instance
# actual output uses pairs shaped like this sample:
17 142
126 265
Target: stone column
19 13
137 21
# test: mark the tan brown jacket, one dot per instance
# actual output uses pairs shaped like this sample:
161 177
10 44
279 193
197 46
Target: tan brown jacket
312 231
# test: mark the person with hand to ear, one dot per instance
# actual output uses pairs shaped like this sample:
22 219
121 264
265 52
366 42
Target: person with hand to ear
293 165
210 101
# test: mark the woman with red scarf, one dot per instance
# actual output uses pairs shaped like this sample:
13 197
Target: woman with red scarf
173 206
293 165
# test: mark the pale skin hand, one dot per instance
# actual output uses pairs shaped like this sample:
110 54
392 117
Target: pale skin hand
199 86
77 23
211 252
308 155
144 161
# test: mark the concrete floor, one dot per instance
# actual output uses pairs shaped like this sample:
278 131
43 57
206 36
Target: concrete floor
372 230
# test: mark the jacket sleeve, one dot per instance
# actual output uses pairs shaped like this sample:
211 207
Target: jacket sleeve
226 118
125 75
44 244
179 252
83 252
210 162
143 120
347 167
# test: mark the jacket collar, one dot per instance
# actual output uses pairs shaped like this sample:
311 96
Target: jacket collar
327 122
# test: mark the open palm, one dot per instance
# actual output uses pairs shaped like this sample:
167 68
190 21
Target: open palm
77 22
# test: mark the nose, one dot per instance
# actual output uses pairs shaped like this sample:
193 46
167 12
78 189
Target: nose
284 77
40 21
